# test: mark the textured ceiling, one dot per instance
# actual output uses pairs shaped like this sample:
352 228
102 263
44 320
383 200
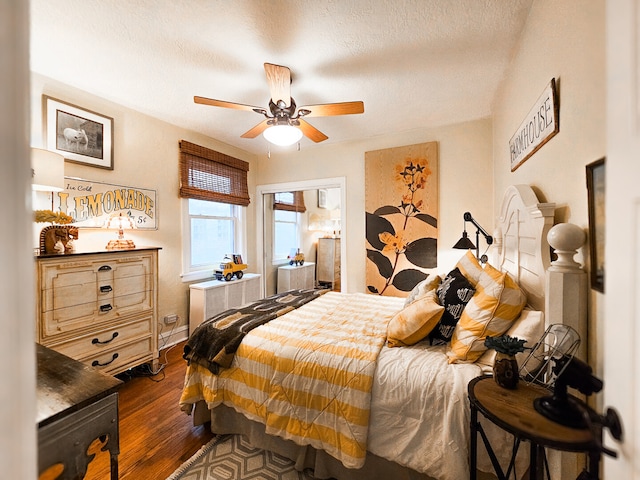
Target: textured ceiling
414 63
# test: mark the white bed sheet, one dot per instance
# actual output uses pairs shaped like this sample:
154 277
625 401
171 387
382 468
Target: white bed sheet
420 410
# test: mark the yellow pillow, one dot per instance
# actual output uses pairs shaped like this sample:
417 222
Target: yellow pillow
470 267
497 303
414 322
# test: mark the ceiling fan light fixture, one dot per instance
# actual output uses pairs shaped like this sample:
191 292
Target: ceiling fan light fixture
282 135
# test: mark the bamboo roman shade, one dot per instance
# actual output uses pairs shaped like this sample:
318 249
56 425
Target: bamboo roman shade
209 175
289 201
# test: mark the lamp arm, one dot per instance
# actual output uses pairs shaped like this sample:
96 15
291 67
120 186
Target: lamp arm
469 218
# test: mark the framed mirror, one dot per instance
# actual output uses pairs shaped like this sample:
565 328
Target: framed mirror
302 244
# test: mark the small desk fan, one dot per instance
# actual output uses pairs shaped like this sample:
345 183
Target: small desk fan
553 365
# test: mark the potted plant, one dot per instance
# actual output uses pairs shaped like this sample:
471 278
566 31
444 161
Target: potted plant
505 365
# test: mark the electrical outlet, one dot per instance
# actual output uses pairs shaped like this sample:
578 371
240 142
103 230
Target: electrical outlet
169 319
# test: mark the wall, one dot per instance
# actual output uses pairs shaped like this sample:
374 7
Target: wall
146 155
465 183
566 41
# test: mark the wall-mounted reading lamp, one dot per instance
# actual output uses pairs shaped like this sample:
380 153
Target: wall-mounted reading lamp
466 244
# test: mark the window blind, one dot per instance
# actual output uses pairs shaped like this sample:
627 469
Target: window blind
209 175
289 201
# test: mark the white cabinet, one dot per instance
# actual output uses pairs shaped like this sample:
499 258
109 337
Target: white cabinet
99 308
329 262
207 299
292 277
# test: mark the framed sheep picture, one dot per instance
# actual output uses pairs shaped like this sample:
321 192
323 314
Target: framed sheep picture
80 135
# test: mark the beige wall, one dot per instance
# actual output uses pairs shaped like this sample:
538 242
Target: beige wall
566 41
466 183
145 155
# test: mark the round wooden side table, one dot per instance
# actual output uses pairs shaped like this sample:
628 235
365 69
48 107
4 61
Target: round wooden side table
513 411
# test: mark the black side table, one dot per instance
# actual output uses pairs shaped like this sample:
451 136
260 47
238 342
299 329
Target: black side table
513 411
76 405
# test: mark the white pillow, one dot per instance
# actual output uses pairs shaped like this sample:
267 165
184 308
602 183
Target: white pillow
529 326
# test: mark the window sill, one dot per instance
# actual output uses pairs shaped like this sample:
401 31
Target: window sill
199 275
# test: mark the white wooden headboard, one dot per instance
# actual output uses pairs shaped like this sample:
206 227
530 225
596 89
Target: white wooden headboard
521 241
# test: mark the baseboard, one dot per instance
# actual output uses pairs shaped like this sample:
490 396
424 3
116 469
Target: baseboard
171 337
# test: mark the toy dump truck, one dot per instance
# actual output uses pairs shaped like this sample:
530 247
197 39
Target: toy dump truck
230 266
296 258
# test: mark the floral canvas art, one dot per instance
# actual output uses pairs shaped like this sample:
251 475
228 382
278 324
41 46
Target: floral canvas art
401 203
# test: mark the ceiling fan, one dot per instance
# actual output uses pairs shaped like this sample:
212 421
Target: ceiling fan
284 117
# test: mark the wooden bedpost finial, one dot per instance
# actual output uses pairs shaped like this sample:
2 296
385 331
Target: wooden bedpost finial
566 239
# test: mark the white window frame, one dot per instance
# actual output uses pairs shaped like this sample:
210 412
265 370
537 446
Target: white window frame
202 272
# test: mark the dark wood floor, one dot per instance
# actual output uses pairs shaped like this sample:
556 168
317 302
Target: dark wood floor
156 437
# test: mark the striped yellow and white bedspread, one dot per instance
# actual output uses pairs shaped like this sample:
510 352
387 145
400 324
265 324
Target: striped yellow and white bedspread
306 375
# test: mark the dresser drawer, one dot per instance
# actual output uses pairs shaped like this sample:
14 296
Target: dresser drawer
118 359
105 339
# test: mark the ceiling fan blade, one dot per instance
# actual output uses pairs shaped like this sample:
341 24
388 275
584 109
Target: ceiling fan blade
331 109
222 103
257 130
311 132
279 80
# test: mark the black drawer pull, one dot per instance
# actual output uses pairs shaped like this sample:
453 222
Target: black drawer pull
97 341
105 288
106 308
96 363
104 268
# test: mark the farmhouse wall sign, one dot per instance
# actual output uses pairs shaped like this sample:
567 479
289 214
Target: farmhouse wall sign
539 126
91 203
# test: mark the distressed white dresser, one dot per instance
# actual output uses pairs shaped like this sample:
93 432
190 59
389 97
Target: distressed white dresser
100 308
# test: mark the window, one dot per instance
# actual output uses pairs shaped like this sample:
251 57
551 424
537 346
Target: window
287 207
214 188
210 230
286 234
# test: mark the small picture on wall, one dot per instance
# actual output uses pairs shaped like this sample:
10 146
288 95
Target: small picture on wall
81 136
322 198
595 190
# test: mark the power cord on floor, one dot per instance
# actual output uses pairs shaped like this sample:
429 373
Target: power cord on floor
145 369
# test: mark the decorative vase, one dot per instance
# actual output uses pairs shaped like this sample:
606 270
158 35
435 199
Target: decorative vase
505 370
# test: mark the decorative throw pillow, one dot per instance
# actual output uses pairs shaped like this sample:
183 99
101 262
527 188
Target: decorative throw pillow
470 267
414 322
529 326
497 303
454 292
421 289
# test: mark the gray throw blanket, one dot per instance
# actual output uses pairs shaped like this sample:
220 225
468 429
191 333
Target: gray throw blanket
214 342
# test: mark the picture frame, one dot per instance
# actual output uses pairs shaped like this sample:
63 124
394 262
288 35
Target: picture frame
80 135
322 198
595 191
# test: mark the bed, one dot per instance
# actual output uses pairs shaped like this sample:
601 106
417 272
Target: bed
313 377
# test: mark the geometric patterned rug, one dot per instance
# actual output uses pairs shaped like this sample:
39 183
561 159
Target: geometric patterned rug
230 457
